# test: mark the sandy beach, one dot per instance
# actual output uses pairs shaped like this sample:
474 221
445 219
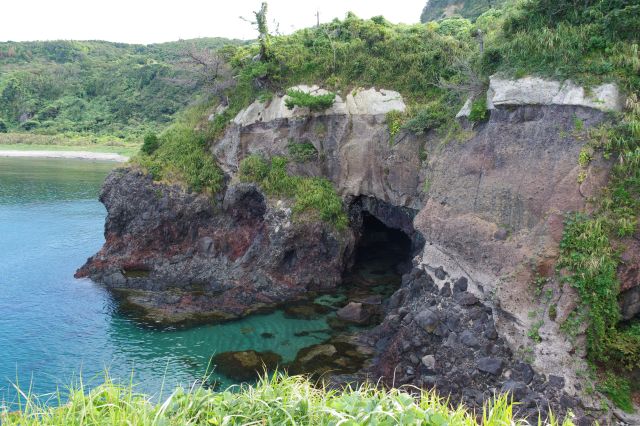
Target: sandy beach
82 155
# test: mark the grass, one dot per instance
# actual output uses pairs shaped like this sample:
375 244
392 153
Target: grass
275 400
181 157
128 151
31 142
314 198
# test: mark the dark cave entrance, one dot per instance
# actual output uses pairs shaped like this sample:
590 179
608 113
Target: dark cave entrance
382 249
382 255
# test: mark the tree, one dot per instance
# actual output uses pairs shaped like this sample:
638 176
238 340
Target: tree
205 68
263 30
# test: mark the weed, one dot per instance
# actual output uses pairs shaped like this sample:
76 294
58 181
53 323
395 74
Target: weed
394 120
618 389
534 331
275 400
313 197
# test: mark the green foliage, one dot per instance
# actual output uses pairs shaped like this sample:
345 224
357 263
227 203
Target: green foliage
624 348
585 157
275 400
426 186
586 251
471 9
618 389
302 152
394 120
181 156
589 42
94 87
427 117
29 125
534 331
355 52
263 30
313 197
539 282
315 103
455 27
479 111
150 144
553 312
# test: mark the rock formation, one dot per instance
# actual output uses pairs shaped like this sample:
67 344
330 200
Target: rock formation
485 217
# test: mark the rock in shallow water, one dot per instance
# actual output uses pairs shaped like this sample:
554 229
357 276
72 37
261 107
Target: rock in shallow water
245 365
353 312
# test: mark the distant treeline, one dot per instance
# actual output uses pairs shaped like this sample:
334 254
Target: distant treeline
96 87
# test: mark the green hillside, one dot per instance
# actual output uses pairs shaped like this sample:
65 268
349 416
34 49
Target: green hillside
95 87
470 9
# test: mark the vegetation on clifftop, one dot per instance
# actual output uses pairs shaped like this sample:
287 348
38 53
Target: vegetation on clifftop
470 9
180 154
279 400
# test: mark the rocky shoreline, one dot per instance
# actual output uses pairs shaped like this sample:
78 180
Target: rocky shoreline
484 218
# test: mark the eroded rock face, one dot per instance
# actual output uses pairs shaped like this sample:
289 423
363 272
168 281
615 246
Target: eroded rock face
179 256
537 91
629 275
494 214
352 141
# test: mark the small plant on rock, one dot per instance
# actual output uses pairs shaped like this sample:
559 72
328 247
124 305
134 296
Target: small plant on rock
479 111
315 103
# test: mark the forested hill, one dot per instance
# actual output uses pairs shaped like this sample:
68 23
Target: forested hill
470 9
96 87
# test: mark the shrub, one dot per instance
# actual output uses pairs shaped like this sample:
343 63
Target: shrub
313 102
394 120
181 156
429 116
150 144
618 389
3 127
479 111
253 169
314 198
30 125
586 251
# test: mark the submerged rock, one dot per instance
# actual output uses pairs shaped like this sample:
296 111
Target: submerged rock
306 311
353 312
337 356
245 365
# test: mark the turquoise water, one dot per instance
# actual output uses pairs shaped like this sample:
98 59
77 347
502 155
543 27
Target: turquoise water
54 327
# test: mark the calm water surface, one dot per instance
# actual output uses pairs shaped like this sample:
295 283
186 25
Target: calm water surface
54 327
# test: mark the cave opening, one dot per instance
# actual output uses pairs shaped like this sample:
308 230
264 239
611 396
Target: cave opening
382 255
319 336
